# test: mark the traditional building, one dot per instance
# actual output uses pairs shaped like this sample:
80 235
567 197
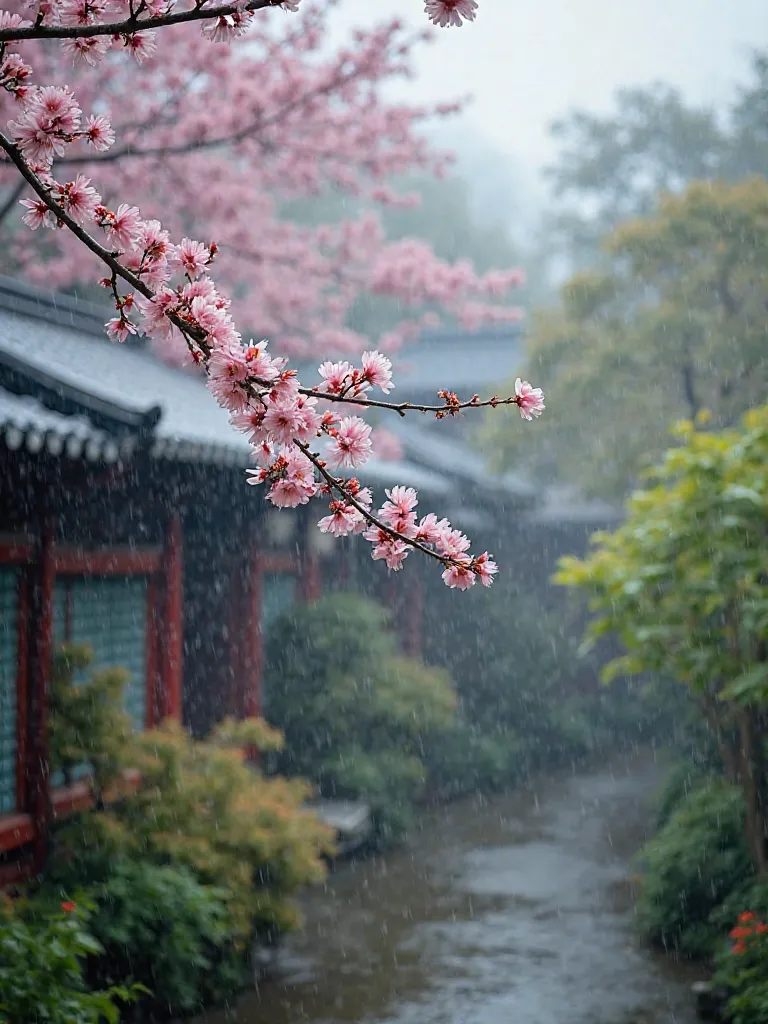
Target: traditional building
125 524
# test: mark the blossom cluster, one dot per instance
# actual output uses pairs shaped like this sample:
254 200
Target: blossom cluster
301 441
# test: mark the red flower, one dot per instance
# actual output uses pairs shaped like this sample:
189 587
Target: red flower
747 915
739 948
740 932
68 906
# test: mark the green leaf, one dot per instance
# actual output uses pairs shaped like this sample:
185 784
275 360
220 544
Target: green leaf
749 686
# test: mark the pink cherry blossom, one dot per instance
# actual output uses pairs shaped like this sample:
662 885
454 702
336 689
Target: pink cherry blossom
459 577
226 373
250 421
286 420
120 329
452 543
122 226
89 49
431 530
79 198
450 12
336 376
393 552
343 520
485 568
39 215
377 371
141 45
530 400
263 365
351 444
191 257
10 20
227 27
99 133
398 511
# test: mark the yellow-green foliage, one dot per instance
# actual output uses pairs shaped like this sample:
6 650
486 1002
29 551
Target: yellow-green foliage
200 804
683 580
675 323
87 723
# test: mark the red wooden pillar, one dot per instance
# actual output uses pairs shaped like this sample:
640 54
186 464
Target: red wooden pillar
173 640
39 764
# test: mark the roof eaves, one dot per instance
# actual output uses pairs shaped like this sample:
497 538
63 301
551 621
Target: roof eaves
21 378
62 310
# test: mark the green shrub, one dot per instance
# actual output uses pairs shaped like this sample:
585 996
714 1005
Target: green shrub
199 805
356 715
683 779
160 927
691 867
742 966
87 723
466 761
41 970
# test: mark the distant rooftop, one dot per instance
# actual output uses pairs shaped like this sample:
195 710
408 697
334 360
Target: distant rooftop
467 362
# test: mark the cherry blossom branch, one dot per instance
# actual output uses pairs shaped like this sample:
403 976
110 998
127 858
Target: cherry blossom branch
337 484
108 257
450 407
232 139
134 23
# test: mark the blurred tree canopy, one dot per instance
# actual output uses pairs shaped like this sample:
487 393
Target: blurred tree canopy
683 584
611 168
443 217
673 326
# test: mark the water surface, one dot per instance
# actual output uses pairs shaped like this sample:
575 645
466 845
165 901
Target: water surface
511 910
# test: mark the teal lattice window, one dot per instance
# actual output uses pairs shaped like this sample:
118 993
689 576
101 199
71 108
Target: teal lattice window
110 615
278 594
9 627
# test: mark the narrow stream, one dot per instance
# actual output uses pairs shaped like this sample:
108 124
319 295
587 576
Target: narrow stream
513 910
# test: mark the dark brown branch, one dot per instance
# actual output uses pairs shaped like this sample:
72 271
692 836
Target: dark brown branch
192 333
405 407
338 485
134 24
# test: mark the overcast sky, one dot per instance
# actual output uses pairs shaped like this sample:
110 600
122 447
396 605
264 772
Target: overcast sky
528 61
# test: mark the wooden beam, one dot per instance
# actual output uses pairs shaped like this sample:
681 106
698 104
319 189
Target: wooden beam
271 562
173 639
107 561
16 830
16 551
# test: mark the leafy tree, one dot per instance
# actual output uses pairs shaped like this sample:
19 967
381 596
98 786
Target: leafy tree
610 168
673 326
683 584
